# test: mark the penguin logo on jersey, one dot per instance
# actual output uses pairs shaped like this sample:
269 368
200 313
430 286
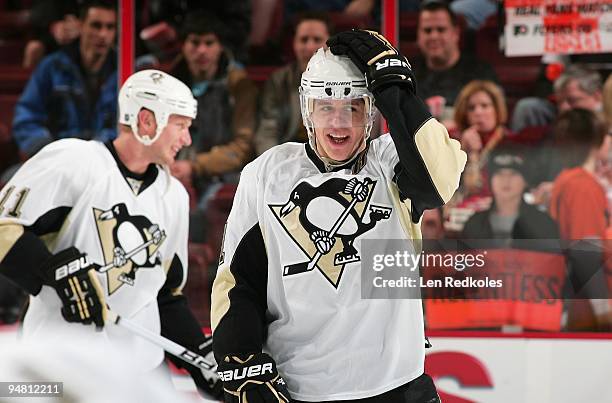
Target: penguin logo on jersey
325 220
128 242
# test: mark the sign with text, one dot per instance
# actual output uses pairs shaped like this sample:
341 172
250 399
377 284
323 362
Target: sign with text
535 27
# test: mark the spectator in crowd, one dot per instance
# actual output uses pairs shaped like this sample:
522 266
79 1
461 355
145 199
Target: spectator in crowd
281 119
432 224
475 12
480 117
443 69
349 8
55 24
161 20
579 204
73 92
222 133
607 100
578 87
509 217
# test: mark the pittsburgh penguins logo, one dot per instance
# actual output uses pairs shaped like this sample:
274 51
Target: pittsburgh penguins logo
325 220
128 242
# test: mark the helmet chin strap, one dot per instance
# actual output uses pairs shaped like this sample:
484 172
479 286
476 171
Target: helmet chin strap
330 163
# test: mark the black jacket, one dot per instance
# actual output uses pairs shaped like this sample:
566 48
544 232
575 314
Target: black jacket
530 224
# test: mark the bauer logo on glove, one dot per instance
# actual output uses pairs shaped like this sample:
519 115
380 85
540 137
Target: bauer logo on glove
372 53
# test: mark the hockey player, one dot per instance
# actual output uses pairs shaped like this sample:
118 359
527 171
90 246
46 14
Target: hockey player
309 204
85 225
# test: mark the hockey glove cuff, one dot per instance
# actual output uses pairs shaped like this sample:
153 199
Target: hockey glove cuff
74 279
252 379
373 54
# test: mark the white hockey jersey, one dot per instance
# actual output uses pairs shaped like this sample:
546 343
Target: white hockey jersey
328 342
73 193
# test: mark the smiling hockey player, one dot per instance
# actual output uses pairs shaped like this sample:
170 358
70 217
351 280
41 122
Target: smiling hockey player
84 225
286 299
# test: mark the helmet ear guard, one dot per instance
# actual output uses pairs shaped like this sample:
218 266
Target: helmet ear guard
158 92
328 76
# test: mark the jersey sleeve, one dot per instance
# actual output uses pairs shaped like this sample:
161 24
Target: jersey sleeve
35 203
427 163
177 321
239 296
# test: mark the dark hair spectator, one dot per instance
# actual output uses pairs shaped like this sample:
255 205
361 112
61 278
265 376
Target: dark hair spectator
281 119
443 69
72 93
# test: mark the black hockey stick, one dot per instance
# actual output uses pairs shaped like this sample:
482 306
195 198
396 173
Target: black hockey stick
302 267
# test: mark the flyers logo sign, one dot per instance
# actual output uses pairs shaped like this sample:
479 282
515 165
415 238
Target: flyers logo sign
128 242
324 222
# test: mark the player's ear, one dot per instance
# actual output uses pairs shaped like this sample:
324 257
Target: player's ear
146 122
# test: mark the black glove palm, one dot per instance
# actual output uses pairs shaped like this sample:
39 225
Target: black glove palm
252 380
375 57
73 278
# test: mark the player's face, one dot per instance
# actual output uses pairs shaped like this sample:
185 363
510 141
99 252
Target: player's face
572 97
174 137
310 35
437 38
481 112
339 127
98 31
507 184
202 54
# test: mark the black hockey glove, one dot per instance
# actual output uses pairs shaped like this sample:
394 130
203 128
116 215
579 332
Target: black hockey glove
207 381
375 57
74 279
252 379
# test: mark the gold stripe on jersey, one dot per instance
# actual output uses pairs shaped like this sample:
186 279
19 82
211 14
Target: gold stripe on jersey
442 157
9 234
224 282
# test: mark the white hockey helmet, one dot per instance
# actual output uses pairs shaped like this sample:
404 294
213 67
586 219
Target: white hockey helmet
159 92
328 76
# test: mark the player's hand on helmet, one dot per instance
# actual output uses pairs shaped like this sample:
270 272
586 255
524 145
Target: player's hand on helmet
207 381
323 242
74 279
373 54
258 380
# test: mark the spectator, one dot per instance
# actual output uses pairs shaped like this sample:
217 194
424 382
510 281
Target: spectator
580 206
162 19
509 217
55 24
443 69
432 224
223 130
578 87
480 117
475 12
607 100
73 92
281 119
541 109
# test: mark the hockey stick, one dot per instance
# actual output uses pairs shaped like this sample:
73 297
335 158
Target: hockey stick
168 345
302 267
131 253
